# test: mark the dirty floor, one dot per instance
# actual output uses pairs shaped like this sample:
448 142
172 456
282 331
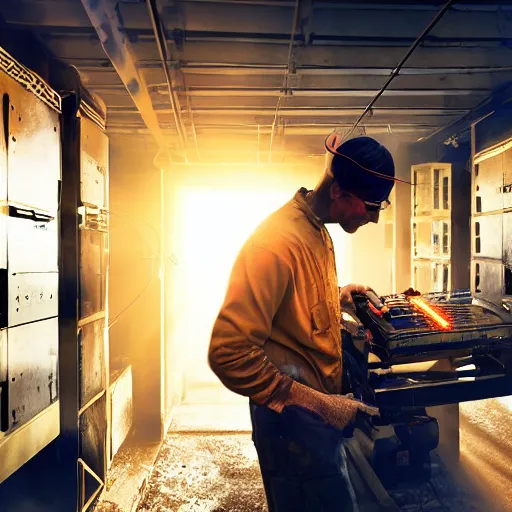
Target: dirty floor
219 473
205 473
208 464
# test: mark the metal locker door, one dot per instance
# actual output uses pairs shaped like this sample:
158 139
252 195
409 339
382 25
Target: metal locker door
30 170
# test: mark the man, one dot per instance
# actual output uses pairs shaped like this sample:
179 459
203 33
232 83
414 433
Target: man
277 338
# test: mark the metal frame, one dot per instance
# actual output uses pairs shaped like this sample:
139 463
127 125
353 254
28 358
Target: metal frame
75 121
87 129
429 395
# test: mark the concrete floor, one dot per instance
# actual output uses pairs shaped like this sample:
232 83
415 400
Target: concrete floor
205 473
486 449
208 464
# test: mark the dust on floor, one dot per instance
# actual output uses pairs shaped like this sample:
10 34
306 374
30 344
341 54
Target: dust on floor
201 472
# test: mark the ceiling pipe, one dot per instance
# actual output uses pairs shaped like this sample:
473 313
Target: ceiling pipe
396 71
107 21
285 79
306 111
161 42
239 69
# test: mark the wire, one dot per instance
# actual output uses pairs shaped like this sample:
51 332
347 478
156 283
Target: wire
153 257
137 297
333 140
396 71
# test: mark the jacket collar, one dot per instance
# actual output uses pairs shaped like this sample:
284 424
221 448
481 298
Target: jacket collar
300 201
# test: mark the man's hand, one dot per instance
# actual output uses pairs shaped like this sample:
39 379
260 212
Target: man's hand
338 411
341 411
346 300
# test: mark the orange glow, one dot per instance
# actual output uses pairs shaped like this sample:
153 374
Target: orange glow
420 304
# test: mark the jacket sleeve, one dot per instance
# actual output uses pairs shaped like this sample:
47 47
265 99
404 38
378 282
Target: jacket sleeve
259 281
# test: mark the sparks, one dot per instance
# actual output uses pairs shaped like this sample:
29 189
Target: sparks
420 304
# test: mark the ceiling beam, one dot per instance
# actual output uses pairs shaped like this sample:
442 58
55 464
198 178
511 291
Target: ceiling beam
314 130
429 5
327 20
70 13
161 43
200 68
320 112
212 69
305 111
253 92
243 102
270 55
296 131
346 57
318 38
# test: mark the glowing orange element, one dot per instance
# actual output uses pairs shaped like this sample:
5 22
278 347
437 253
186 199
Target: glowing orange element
419 303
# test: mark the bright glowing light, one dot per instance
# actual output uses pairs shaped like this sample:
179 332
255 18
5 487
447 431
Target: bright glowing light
213 224
213 212
420 304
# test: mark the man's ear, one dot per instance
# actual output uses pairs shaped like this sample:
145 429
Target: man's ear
335 191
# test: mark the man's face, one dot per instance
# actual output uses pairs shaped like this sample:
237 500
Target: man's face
349 211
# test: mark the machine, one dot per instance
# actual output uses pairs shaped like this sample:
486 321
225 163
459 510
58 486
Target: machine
404 353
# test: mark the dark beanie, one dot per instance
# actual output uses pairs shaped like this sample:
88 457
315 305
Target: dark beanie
368 153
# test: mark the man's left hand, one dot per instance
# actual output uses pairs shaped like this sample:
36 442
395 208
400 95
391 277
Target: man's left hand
346 300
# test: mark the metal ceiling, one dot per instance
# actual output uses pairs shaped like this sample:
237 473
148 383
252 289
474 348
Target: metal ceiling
233 82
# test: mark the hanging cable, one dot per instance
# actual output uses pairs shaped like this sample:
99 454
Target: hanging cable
396 71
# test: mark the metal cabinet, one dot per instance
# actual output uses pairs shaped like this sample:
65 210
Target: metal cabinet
30 170
491 240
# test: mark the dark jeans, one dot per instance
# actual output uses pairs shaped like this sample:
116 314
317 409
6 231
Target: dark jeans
302 462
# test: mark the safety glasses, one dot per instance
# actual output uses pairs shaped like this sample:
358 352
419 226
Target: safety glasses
375 207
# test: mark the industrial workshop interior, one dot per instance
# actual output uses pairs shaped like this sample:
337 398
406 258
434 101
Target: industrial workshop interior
143 141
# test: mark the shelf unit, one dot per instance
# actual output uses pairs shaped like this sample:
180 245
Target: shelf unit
431 227
491 222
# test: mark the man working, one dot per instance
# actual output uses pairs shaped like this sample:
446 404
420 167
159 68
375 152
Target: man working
277 338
